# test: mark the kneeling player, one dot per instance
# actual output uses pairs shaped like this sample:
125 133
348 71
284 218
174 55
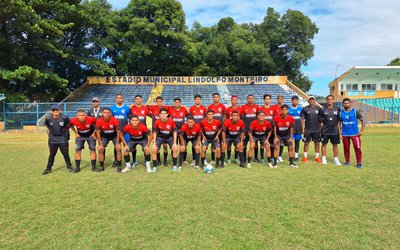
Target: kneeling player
190 132
211 128
165 133
283 131
233 133
83 127
107 129
259 131
139 134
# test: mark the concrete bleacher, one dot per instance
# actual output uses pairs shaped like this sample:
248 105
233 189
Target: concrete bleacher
388 104
187 92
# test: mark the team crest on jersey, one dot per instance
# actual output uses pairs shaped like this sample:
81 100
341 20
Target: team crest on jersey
142 112
168 126
181 113
298 112
202 111
316 111
87 125
347 117
287 123
335 112
123 111
214 127
61 124
111 126
237 128
254 110
219 109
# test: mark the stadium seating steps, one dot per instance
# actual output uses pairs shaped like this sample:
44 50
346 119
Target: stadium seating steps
106 93
388 104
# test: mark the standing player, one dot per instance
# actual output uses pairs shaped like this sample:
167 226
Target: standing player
311 128
349 117
139 135
155 115
178 115
259 131
295 112
249 114
211 129
283 131
121 112
233 133
269 116
198 112
165 133
330 118
58 126
83 127
233 107
96 110
219 114
277 110
108 129
190 132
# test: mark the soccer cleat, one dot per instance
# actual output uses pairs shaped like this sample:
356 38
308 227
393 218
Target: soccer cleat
119 169
174 168
193 163
229 161
197 167
148 169
154 170
275 166
324 162
338 163
248 165
186 163
115 163
69 169
280 159
179 168
317 160
359 165
305 159
237 161
293 165
94 169
262 161
296 159
270 165
347 164
222 165
100 169
255 160
127 169
133 164
212 163
46 171
77 170
165 163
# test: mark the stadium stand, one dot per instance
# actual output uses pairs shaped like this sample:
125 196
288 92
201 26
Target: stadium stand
388 104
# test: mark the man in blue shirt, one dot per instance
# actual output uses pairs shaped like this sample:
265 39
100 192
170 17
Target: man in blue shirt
295 112
349 118
121 112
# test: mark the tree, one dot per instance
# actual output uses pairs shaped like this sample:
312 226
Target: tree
395 62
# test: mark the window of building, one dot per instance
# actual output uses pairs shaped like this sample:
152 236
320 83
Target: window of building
350 87
368 87
388 86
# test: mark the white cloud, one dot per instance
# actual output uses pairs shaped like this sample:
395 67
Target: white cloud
362 32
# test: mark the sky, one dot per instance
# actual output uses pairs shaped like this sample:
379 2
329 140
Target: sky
351 33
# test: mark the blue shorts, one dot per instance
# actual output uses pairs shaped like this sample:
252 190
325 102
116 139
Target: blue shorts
127 137
297 137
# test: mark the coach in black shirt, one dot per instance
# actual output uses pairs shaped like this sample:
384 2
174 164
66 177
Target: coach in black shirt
96 110
58 126
311 128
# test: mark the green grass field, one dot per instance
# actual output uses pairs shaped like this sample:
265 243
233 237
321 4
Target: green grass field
313 206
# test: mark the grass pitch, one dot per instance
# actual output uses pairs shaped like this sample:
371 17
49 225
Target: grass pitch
313 206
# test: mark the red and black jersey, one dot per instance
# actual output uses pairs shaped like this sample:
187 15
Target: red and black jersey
257 129
219 111
283 125
210 130
136 134
85 129
233 130
198 113
109 128
142 112
155 112
249 114
164 129
231 109
178 116
269 113
277 109
190 133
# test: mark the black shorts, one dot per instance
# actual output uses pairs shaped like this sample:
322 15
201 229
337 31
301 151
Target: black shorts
260 139
284 141
105 141
335 139
271 140
80 143
133 143
160 141
232 140
214 143
316 137
246 137
192 140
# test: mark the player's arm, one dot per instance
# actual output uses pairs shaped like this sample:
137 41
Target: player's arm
291 132
223 135
175 135
275 134
251 136
75 132
241 136
361 118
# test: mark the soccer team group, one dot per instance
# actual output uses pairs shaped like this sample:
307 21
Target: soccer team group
254 131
